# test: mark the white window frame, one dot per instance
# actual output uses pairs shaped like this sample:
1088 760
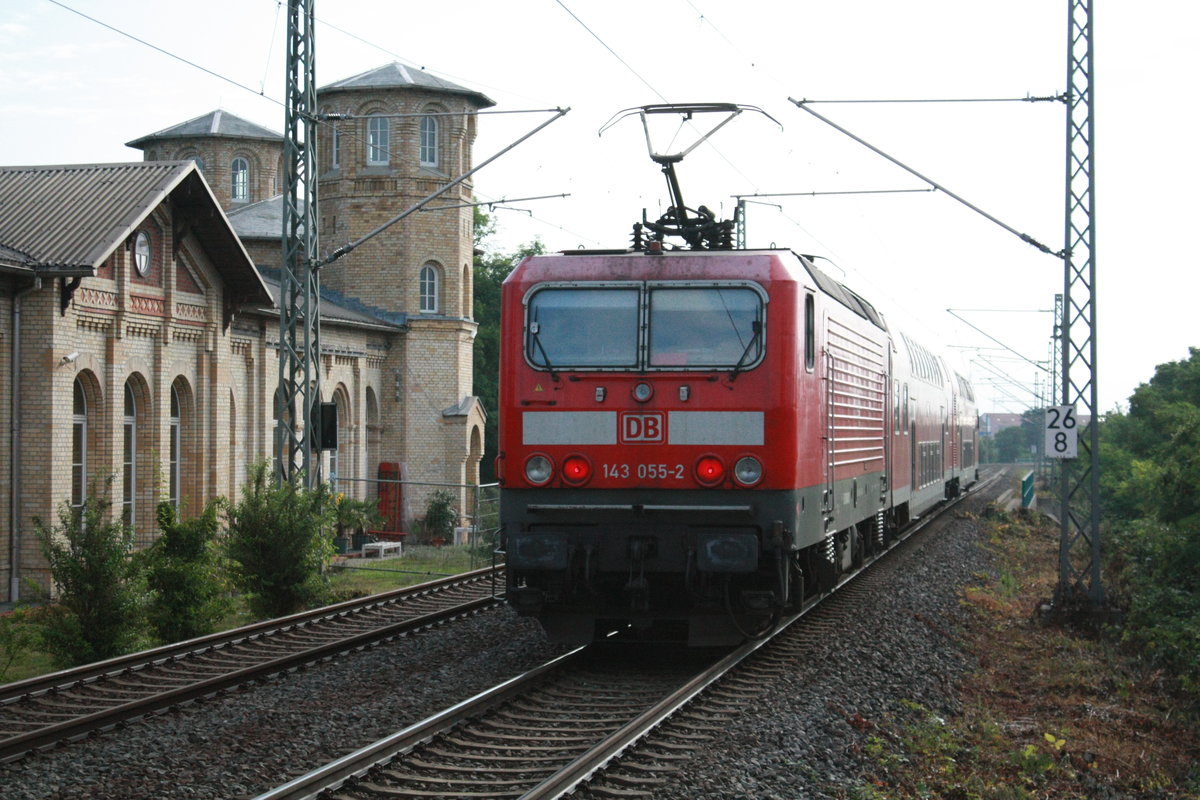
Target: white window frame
130 458
335 148
378 141
429 289
429 150
79 445
175 458
240 180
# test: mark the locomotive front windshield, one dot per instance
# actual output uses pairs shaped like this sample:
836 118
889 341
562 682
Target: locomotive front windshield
583 328
646 326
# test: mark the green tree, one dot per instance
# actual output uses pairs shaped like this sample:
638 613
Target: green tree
279 543
490 271
1150 473
184 572
1151 455
97 612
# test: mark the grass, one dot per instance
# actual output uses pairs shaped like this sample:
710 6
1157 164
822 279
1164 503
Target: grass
1049 713
359 577
349 578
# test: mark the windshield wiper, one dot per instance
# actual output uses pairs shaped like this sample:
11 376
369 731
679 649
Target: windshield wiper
534 333
756 326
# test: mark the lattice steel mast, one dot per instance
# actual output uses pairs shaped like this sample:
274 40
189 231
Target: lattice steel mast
299 395
1079 547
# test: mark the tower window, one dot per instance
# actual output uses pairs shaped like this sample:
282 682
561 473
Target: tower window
429 141
377 141
241 179
429 289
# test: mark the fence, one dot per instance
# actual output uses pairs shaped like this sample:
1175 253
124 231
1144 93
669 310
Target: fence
408 509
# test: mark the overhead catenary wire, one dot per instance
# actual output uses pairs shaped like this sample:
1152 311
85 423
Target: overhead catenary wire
803 105
963 319
346 248
166 52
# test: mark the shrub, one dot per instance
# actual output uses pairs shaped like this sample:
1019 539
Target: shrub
184 574
1160 572
17 636
99 603
279 544
440 516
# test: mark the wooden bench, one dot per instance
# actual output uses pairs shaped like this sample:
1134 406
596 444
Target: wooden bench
383 549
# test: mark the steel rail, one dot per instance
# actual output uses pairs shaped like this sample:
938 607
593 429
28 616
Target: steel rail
358 764
69 678
579 771
21 744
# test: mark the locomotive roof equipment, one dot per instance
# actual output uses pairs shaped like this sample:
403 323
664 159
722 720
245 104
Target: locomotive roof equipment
699 228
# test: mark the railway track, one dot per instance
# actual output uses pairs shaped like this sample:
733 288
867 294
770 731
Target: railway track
55 709
544 734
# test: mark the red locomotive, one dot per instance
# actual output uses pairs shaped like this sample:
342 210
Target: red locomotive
695 440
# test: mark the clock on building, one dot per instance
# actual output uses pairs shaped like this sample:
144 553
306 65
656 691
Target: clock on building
141 253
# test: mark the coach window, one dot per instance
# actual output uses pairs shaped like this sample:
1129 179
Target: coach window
705 327
584 328
810 333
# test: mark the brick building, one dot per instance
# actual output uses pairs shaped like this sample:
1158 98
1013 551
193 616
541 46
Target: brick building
139 326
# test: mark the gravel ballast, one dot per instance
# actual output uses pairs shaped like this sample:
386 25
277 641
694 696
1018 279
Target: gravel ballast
801 739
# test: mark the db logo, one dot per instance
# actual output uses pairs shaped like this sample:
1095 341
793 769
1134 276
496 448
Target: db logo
648 427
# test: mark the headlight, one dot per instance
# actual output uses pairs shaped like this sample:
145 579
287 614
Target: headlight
538 470
747 471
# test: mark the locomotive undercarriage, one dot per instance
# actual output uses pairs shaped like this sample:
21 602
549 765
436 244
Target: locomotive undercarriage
708 575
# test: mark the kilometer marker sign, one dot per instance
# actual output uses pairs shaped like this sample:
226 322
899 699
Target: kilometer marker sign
1062 432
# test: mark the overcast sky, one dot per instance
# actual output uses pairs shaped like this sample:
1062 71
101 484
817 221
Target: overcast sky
73 91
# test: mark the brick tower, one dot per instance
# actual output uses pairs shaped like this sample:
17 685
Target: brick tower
410 133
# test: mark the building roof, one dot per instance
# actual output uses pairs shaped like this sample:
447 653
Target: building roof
218 123
67 220
399 76
261 220
333 306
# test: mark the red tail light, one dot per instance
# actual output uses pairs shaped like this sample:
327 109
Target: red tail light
576 470
710 470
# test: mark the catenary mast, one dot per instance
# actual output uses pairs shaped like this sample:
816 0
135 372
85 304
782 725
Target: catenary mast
297 401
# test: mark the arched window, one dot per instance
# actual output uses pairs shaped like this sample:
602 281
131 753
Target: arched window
129 459
429 142
79 446
341 467
235 456
468 311
377 141
429 289
241 180
374 439
175 449
335 148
